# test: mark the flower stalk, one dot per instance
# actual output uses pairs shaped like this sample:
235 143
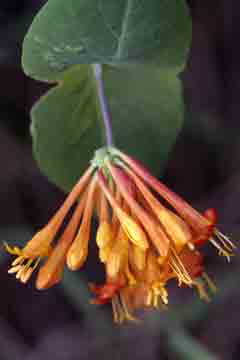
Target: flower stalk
98 72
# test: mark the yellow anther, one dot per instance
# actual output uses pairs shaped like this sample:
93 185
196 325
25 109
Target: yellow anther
14 269
26 276
18 260
201 290
20 272
210 283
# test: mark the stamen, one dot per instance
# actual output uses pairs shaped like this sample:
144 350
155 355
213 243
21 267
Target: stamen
157 296
221 250
13 250
37 263
160 291
156 301
177 272
210 283
115 311
20 272
25 277
127 314
23 268
18 260
14 269
119 310
149 301
179 268
201 290
226 242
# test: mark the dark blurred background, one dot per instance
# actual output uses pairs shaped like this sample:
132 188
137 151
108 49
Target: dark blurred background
204 168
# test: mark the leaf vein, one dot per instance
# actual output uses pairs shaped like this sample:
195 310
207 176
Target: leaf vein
124 29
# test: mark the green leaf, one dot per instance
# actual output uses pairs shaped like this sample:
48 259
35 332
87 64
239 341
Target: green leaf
65 127
148 39
147 109
67 33
146 105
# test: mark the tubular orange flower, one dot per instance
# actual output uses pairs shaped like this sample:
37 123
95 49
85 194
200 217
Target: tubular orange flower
176 228
155 233
39 246
131 228
51 273
143 244
203 226
78 250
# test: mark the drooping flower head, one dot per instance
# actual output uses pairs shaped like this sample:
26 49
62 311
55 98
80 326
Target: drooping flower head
147 236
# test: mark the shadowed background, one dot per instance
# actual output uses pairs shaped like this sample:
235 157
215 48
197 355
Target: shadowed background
204 168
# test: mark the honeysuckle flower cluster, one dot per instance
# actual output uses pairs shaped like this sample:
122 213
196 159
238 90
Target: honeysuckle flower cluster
147 236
